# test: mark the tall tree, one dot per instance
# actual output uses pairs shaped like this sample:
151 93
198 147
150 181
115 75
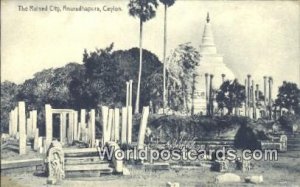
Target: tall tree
9 100
288 96
167 3
144 10
230 95
180 68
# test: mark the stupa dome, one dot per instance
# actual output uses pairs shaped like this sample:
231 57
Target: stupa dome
212 67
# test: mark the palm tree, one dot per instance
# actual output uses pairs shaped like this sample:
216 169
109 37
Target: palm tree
144 10
167 3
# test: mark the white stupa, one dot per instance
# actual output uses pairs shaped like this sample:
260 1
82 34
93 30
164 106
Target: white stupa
211 63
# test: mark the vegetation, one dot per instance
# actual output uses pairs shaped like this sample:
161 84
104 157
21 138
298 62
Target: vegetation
231 95
9 93
180 67
288 97
194 127
99 81
144 10
166 3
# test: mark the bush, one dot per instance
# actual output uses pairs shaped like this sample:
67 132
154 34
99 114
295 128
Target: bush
287 121
246 138
198 127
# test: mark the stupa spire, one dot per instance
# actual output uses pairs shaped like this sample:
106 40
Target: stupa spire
208 44
207 18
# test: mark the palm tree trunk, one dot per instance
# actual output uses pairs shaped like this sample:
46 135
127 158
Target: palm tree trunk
137 102
164 65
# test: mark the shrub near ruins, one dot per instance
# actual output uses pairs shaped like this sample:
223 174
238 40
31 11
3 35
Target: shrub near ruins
171 127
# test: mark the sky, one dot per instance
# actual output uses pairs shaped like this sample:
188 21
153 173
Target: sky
256 37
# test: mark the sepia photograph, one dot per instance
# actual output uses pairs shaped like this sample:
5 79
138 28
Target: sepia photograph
150 93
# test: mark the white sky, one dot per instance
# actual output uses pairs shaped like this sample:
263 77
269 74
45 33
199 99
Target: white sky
260 38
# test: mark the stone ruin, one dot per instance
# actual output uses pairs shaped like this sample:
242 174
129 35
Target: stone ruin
55 163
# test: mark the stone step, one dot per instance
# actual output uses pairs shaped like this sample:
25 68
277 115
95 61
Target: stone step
80 162
84 158
156 166
88 167
77 151
83 174
21 163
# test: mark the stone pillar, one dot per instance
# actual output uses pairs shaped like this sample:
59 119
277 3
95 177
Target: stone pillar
15 121
61 124
270 97
112 127
85 135
253 100
29 127
130 92
63 132
207 93
223 78
82 122
92 127
110 123
129 124
246 99
265 91
49 127
257 100
257 92
124 125
32 134
104 111
117 124
79 131
75 130
22 128
211 99
36 140
40 144
70 127
143 126
249 94
127 93
193 95
34 121
10 130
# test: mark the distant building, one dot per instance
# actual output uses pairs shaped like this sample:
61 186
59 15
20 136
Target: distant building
211 63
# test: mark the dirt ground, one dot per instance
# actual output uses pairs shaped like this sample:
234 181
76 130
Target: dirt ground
284 172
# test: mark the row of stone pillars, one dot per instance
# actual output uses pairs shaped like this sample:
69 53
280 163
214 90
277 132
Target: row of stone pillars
209 93
252 97
111 125
70 128
22 128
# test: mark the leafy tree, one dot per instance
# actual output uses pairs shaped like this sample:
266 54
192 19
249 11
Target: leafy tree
288 96
127 68
230 95
9 92
99 84
154 88
167 3
106 72
144 10
180 67
50 86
